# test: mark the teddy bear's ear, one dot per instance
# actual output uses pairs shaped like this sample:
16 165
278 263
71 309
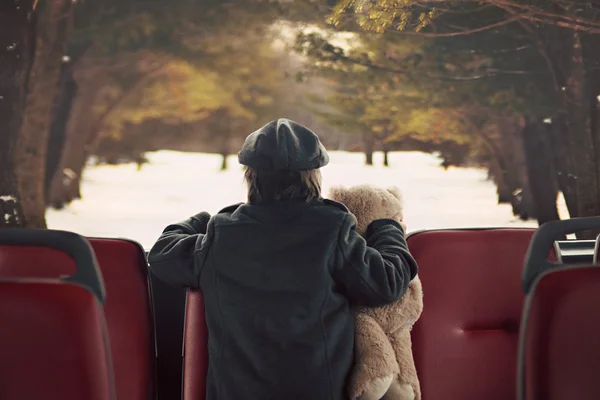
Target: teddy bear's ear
395 192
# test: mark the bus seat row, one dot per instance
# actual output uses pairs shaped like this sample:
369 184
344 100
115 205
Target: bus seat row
466 344
53 338
559 349
127 309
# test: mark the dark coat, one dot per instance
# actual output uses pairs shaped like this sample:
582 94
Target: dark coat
278 279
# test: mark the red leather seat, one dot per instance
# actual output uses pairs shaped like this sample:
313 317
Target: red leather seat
465 343
128 311
560 348
195 349
53 343
128 306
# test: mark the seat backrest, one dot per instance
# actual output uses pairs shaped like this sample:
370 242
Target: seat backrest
53 342
560 349
465 343
196 349
129 317
128 307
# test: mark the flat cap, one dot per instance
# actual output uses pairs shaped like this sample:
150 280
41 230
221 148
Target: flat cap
283 145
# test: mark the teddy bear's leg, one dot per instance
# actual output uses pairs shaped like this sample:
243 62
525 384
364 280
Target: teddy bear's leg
406 387
399 391
377 389
375 361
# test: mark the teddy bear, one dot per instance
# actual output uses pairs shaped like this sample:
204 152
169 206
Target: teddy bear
384 366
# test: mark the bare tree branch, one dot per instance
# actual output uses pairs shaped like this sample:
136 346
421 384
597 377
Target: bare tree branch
467 31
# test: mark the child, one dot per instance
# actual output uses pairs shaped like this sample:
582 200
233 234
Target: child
280 272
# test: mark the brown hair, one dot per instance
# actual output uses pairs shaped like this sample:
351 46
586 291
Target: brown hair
265 185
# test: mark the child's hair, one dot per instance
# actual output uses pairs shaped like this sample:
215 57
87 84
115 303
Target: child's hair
265 185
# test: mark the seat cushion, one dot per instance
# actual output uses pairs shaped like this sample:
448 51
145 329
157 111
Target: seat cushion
53 343
465 343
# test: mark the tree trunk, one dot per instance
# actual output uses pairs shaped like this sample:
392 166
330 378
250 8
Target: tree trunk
511 148
504 186
17 29
506 175
557 134
225 139
593 77
64 186
224 161
386 161
504 191
53 26
58 128
63 105
595 125
540 171
581 146
579 122
453 154
368 146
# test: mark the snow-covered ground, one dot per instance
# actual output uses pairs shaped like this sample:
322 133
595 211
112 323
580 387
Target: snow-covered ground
120 201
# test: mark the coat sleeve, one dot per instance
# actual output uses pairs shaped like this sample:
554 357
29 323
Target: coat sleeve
180 252
376 271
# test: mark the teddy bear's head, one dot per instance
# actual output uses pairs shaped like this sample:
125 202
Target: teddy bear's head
369 203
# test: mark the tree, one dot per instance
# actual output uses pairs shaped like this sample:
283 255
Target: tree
236 91
553 71
117 39
18 28
30 63
96 83
52 30
374 104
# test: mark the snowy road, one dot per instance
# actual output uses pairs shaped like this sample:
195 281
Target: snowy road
119 201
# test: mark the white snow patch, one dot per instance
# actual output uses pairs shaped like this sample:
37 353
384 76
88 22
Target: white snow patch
7 198
120 201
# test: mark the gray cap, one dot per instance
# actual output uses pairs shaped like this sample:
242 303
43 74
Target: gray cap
283 145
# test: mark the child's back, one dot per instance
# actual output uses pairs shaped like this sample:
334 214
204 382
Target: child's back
277 277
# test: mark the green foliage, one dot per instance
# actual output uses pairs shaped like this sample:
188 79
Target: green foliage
114 26
241 80
382 88
219 58
380 16
455 55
